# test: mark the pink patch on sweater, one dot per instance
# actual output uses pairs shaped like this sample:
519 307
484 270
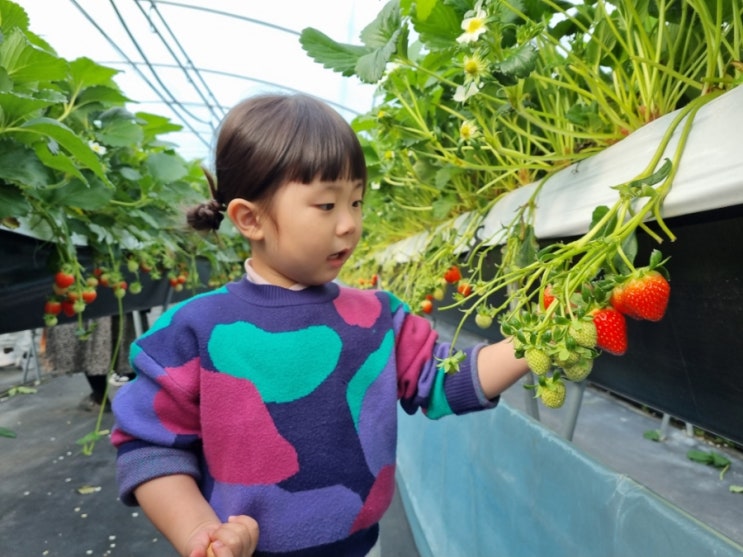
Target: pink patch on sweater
378 500
241 442
176 403
358 307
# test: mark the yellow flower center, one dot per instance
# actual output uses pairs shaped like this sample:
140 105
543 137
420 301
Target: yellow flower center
474 25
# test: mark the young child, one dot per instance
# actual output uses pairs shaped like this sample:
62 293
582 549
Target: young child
271 402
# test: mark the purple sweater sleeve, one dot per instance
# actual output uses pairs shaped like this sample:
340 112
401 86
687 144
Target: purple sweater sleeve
422 383
156 432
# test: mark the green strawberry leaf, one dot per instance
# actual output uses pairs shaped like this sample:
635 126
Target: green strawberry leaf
339 57
652 435
66 138
518 65
5 432
699 456
736 489
710 458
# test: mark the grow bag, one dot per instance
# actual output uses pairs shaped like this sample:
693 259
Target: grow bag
26 281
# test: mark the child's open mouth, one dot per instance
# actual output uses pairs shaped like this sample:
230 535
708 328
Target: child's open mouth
339 256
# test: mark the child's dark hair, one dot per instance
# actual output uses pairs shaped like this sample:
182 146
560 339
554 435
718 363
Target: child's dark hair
269 140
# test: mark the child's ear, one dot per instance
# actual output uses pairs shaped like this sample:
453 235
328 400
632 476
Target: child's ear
246 217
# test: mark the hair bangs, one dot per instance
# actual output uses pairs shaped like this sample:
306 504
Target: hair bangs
324 147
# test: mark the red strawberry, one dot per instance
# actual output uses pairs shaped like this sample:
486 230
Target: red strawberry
465 289
611 330
644 296
548 297
426 306
63 279
52 307
89 295
452 274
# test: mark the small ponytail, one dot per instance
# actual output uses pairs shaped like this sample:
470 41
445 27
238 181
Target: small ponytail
209 215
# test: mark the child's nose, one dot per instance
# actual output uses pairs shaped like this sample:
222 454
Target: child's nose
347 223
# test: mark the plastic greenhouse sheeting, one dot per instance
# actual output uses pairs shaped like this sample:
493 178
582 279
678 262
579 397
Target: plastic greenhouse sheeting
499 483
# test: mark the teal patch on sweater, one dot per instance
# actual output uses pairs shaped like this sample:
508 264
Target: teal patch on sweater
367 374
438 406
284 366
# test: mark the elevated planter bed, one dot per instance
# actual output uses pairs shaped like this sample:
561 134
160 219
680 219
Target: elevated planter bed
26 281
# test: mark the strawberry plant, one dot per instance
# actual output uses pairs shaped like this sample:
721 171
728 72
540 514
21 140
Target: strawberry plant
491 96
82 172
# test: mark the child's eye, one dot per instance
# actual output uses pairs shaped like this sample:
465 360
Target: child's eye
358 203
326 206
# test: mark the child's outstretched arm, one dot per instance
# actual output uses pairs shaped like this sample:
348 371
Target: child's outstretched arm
177 508
498 368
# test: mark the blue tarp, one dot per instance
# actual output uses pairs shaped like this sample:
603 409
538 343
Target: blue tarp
498 483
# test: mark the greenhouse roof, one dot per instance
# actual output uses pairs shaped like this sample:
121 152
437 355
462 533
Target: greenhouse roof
191 60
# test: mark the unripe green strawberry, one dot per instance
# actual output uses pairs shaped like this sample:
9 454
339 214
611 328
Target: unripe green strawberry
566 358
483 320
538 360
584 332
551 391
579 370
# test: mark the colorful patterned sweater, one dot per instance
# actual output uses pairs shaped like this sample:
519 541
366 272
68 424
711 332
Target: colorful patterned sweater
282 405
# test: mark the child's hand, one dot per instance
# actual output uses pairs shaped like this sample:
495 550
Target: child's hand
237 537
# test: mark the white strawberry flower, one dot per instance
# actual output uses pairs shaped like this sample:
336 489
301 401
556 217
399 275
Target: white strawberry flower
97 147
474 25
468 130
464 92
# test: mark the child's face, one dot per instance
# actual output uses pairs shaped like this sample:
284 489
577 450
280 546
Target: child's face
315 229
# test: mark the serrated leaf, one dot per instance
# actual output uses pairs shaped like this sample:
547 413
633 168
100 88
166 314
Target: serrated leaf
154 125
26 63
20 165
69 140
80 194
385 26
370 67
15 107
518 65
12 202
51 157
85 73
101 94
120 133
166 168
440 28
423 9
333 55
12 15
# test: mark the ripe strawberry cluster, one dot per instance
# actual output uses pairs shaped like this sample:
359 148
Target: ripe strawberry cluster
71 294
561 339
453 276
